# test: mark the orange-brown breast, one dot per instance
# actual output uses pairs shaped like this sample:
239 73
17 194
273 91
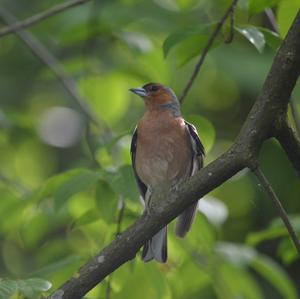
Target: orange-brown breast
164 153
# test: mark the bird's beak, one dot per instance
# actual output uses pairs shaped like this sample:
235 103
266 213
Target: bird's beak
139 91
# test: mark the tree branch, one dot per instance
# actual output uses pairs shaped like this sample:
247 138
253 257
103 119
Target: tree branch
290 143
210 42
40 17
272 20
270 105
280 209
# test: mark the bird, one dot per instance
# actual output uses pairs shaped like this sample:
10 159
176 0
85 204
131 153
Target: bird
165 151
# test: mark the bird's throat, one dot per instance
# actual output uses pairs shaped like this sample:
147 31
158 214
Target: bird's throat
173 107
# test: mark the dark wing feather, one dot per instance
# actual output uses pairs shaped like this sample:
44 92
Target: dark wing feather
197 145
142 186
185 220
194 134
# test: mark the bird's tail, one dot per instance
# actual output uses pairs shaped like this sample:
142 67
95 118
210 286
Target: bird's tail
156 247
185 220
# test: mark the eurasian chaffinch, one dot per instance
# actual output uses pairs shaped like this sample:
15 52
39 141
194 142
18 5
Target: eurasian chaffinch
165 151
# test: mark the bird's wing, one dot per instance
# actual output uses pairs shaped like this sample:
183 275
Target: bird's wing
185 219
197 146
142 186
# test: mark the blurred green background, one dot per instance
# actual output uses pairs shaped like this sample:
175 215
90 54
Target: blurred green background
64 179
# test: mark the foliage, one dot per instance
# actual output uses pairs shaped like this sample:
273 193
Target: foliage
61 188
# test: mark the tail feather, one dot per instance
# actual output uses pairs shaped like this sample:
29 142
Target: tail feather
185 220
156 247
147 254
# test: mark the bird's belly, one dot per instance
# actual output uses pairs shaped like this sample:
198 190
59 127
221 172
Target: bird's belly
163 161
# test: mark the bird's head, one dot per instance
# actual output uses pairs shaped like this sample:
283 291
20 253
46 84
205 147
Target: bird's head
158 97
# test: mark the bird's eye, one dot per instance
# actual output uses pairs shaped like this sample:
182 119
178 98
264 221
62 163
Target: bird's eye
154 88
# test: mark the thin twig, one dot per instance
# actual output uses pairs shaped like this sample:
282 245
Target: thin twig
210 42
228 39
282 213
210 263
118 231
271 17
40 16
42 53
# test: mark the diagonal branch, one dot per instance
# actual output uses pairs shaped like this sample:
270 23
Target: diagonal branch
43 54
280 209
210 42
290 142
40 17
293 105
270 105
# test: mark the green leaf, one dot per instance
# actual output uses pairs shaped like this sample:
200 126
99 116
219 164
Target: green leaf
110 143
175 38
272 38
286 14
89 216
190 48
275 230
33 286
69 262
275 276
77 183
271 233
7 288
188 43
28 287
232 282
123 182
206 241
53 183
257 6
254 36
11 208
294 219
151 278
113 86
106 201
287 251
